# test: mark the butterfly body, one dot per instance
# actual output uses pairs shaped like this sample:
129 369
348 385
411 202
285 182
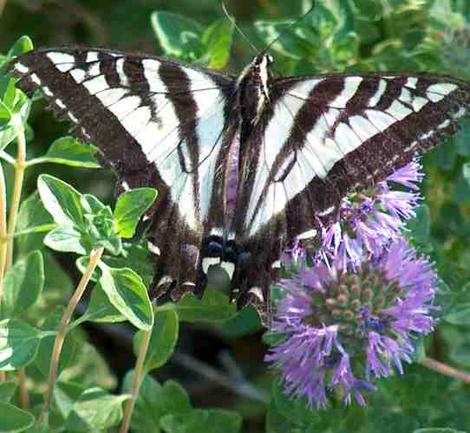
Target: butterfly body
244 165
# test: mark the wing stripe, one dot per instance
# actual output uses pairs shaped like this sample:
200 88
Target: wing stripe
278 132
374 100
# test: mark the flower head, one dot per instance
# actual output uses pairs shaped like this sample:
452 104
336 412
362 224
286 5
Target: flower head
370 219
342 330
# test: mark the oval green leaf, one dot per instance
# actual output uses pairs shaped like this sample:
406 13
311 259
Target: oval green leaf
94 411
61 200
218 41
21 46
23 284
13 419
213 307
128 294
203 421
155 401
459 315
65 239
178 36
100 308
69 151
162 341
130 207
19 344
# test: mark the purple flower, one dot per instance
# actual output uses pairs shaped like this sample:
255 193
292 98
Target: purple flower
370 219
342 330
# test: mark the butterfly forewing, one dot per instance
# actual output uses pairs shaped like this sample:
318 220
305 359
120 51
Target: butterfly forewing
326 135
157 123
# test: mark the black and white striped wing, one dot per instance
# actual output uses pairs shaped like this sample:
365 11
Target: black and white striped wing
157 122
326 135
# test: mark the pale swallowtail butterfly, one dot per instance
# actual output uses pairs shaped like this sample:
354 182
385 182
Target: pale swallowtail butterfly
244 165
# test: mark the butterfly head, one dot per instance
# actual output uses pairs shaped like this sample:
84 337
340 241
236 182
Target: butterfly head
262 63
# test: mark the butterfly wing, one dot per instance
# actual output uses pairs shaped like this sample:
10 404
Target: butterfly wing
158 123
324 136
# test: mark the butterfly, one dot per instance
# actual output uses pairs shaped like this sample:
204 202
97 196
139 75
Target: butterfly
244 165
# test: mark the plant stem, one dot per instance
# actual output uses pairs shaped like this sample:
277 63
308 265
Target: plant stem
3 228
6 261
22 388
95 257
3 3
445 369
138 376
20 166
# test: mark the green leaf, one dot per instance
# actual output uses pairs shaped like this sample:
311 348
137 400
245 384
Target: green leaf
245 322
420 226
65 239
7 135
32 215
95 410
19 343
127 293
218 40
21 46
137 257
294 409
69 350
130 207
460 352
69 151
300 42
65 395
38 428
203 421
100 308
466 172
459 315
213 307
462 139
61 200
23 284
5 114
7 391
162 341
13 419
178 36
437 430
154 401
100 225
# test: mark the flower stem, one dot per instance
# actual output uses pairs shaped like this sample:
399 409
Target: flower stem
3 3
6 252
3 229
445 369
95 257
138 376
22 388
20 166
3 239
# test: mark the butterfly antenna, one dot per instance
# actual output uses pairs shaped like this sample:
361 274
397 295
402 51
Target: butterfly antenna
297 21
237 27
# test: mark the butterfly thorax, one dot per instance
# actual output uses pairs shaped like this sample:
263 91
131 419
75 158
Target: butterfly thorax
252 95
253 91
